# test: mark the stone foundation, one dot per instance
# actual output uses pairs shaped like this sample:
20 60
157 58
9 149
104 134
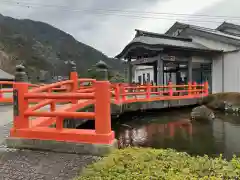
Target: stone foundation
61 146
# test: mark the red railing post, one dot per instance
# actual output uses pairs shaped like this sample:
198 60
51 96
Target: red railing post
1 94
194 88
117 93
189 88
170 89
53 106
74 78
59 123
148 94
102 107
206 87
123 92
20 105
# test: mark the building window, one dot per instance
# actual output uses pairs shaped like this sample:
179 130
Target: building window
140 79
144 78
148 77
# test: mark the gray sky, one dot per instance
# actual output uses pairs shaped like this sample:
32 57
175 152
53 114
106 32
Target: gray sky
110 31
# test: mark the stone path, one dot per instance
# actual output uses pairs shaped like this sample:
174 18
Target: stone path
35 165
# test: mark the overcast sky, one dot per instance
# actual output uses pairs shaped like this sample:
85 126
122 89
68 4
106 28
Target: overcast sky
92 22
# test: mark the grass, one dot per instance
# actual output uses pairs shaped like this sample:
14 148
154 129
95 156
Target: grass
152 164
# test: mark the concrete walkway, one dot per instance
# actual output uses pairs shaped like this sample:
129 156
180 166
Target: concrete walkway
35 165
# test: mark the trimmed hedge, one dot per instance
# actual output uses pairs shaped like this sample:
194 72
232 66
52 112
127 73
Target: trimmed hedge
141 164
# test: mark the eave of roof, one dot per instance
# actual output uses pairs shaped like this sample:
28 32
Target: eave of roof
156 43
158 35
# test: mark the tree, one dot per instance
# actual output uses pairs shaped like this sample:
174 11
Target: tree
117 78
113 76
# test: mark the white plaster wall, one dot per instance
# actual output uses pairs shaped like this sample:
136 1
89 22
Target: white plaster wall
213 44
232 72
217 74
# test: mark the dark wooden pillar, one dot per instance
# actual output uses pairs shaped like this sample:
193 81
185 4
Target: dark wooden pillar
155 72
129 70
159 71
190 69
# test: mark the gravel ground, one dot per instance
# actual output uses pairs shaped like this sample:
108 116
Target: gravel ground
36 165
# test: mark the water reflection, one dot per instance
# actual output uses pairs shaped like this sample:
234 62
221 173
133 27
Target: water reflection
148 134
168 131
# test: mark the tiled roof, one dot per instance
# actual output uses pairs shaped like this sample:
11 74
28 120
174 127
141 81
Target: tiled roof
154 40
203 29
214 31
168 42
5 75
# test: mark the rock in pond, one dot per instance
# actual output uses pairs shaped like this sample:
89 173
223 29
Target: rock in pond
202 114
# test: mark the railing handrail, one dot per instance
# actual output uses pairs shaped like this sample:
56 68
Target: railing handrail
49 86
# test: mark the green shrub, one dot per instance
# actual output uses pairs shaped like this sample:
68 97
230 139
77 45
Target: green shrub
150 164
215 100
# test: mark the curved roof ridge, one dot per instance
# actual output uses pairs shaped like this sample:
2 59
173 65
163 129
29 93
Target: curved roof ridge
158 35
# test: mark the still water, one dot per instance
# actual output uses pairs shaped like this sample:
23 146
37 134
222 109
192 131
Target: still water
172 129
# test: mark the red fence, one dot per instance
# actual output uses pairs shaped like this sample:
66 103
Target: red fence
6 91
35 122
129 94
75 97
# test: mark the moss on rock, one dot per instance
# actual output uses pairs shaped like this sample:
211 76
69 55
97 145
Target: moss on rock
222 101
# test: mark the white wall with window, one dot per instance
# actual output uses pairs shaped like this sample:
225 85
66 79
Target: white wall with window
143 74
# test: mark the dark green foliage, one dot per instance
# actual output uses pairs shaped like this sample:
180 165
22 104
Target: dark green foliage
41 46
216 101
139 163
113 76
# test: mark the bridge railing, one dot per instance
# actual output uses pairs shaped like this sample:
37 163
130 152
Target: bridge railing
137 93
6 90
31 123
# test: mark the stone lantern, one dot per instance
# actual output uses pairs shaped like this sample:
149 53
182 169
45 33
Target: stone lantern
102 70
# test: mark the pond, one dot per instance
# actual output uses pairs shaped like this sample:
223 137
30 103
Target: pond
172 129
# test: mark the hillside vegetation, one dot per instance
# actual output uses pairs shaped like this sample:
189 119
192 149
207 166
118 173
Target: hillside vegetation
42 47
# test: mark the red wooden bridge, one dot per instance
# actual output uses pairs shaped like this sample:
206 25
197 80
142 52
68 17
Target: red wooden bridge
31 121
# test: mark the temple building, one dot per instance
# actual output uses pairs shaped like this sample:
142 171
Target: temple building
186 53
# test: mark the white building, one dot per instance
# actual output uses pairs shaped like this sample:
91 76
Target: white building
187 52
